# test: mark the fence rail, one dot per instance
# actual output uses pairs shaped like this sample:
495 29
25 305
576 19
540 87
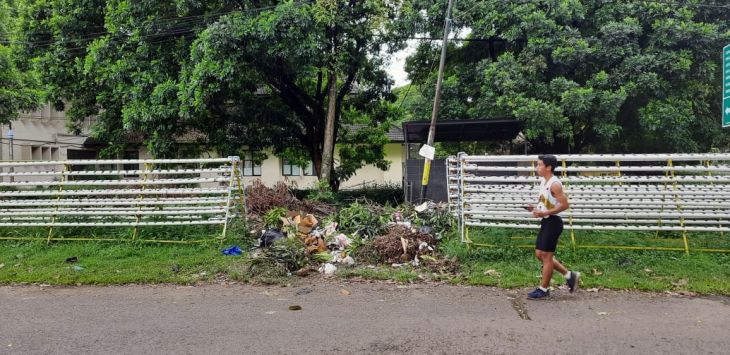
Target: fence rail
683 193
52 195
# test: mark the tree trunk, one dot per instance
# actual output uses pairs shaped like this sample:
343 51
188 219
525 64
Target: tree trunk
329 130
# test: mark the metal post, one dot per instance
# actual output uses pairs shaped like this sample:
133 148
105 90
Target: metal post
148 167
11 135
66 169
232 176
436 101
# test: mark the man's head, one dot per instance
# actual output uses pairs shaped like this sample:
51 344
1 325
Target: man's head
545 163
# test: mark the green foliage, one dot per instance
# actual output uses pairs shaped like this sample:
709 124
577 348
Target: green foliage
321 192
272 218
382 194
584 76
244 75
438 218
18 87
364 219
323 257
288 252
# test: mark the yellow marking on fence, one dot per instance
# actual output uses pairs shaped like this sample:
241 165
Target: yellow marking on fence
140 197
618 247
66 168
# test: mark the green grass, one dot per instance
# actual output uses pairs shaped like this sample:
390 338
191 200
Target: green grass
707 273
526 238
105 263
123 262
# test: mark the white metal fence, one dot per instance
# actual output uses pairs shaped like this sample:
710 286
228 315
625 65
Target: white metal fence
653 192
119 193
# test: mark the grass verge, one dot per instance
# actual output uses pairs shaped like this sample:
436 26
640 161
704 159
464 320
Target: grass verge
508 266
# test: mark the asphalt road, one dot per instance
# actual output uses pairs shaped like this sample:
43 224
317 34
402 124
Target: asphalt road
340 317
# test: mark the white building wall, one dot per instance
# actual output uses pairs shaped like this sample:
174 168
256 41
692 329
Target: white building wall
43 135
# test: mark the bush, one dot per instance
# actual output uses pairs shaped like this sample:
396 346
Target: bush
383 194
272 218
322 193
365 219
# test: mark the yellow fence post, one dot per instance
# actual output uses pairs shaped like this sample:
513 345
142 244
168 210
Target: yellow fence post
667 173
675 186
66 168
241 192
147 168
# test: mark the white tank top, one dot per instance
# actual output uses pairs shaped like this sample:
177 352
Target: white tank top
546 200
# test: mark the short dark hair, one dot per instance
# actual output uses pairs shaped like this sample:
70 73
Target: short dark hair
549 160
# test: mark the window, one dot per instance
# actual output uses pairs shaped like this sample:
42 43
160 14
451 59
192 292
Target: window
413 151
75 154
36 153
250 167
288 169
309 170
131 155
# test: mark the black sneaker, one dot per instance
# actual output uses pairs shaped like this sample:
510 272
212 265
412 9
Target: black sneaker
574 281
538 294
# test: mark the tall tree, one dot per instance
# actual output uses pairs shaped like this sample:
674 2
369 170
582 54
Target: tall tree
316 60
18 87
587 75
249 73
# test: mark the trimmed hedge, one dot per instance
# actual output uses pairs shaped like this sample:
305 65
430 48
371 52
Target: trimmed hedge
391 194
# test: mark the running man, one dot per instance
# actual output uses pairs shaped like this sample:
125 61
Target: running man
551 202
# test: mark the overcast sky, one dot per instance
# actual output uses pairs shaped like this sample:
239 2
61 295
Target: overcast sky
397 63
398 60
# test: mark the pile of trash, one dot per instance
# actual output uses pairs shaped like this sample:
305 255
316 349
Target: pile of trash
298 240
321 243
404 244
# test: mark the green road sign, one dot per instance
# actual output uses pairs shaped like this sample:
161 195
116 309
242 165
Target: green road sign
726 86
726 112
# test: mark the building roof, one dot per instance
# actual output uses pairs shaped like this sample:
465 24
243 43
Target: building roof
463 130
395 133
138 138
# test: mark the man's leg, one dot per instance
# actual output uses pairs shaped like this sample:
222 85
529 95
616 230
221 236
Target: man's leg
559 267
571 277
547 266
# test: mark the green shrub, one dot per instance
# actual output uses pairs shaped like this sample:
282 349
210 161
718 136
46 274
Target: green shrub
383 194
272 218
322 192
365 219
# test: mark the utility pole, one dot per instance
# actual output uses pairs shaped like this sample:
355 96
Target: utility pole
436 101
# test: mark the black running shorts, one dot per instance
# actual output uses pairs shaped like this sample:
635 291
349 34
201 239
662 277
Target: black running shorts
550 229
